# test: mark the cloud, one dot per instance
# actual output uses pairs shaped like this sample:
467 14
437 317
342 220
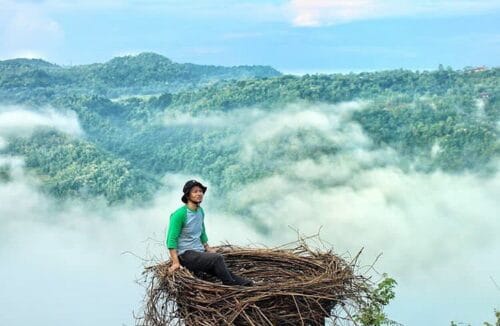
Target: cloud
436 230
73 251
314 13
62 253
433 229
355 187
404 215
330 122
3 143
21 121
28 30
319 12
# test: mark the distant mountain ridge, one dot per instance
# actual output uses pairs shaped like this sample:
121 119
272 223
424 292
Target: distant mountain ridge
145 73
24 62
146 59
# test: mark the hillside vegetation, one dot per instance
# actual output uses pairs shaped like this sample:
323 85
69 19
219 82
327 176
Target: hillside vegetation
201 122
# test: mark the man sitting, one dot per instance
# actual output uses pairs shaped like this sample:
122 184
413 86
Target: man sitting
187 240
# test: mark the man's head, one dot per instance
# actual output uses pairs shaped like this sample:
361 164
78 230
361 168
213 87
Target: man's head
193 191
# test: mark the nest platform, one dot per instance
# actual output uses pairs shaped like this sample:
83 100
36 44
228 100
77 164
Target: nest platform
293 286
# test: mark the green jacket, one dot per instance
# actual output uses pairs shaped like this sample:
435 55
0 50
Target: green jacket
177 223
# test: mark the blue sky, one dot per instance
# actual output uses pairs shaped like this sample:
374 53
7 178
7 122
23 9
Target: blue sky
292 36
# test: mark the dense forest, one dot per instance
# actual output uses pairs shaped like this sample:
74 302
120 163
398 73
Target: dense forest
146 73
130 108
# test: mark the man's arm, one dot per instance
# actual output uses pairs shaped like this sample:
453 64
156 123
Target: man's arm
175 260
203 237
174 230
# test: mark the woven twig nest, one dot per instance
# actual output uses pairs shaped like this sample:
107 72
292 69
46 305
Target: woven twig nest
295 286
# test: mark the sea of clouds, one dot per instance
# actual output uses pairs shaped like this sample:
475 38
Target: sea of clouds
76 262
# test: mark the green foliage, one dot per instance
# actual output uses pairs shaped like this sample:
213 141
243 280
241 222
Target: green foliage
497 323
5 173
373 313
272 92
435 120
70 167
146 73
438 132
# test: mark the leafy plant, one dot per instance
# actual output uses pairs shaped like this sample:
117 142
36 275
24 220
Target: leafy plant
373 313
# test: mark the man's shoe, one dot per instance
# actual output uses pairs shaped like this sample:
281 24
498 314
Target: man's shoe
241 280
248 283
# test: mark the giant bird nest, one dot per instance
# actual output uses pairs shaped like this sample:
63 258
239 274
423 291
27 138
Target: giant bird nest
293 286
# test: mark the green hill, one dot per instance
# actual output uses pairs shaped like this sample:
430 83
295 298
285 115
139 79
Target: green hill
443 120
146 73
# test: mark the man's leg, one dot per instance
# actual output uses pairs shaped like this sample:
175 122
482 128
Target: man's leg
208 262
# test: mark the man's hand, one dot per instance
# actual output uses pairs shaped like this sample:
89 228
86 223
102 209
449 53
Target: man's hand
208 248
174 267
175 261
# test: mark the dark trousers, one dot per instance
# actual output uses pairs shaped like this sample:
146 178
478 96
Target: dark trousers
210 263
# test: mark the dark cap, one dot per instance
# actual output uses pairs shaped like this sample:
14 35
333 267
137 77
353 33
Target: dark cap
188 186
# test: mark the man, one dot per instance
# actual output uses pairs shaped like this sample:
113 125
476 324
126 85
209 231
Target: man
187 240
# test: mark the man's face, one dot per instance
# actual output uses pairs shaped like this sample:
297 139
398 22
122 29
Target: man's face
196 195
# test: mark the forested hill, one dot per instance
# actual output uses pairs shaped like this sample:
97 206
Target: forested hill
145 73
236 132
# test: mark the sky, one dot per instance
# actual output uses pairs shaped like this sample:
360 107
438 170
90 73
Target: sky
298 36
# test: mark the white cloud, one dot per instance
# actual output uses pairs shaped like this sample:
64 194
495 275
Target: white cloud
28 30
20 121
357 188
404 215
330 121
436 231
3 143
319 12
74 252
313 13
